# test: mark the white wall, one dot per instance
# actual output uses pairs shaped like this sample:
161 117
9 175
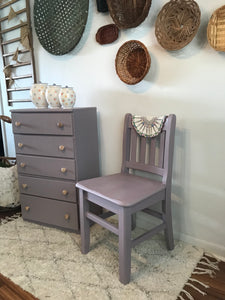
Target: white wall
189 83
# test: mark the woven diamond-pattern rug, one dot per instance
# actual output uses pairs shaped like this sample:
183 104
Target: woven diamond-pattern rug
47 262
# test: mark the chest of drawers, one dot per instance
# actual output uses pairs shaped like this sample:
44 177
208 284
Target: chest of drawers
55 148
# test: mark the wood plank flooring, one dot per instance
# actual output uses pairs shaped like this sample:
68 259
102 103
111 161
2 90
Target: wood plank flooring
11 291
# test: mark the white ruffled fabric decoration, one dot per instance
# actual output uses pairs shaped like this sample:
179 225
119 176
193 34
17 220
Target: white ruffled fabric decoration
148 126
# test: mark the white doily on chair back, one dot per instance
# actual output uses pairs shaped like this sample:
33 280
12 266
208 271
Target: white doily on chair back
148 126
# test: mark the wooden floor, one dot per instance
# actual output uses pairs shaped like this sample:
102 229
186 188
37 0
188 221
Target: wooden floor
216 284
10 291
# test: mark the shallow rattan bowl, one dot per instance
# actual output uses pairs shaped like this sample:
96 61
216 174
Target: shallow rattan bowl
177 24
132 62
128 13
216 29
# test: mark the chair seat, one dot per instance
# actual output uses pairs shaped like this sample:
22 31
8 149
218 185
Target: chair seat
122 189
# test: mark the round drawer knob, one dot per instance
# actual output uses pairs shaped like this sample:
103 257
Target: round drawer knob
64 192
24 186
67 216
61 147
60 124
17 124
27 208
22 165
63 170
20 145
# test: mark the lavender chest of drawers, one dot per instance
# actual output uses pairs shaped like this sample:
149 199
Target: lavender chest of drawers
54 149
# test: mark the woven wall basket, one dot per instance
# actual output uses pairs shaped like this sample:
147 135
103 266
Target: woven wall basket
132 62
128 13
102 6
216 29
59 24
177 23
107 34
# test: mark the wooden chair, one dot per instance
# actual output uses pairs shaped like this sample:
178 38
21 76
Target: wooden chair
125 193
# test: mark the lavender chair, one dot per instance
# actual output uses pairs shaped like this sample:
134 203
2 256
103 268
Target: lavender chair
125 194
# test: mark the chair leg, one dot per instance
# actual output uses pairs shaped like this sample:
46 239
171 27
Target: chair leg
166 208
84 223
124 245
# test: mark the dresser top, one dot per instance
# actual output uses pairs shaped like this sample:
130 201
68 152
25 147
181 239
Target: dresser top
49 110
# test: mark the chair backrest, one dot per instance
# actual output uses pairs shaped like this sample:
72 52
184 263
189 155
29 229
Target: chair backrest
153 155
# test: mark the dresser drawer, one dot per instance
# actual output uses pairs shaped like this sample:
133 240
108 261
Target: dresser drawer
57 146
49 188
47 211
42 123
46 166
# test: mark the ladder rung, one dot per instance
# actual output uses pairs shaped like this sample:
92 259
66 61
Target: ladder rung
19 52
21 64
8 3
18 100
17 12
11 41
14 27
18 89
19 77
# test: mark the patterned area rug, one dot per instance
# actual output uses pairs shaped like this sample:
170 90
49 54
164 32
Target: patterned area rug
48 263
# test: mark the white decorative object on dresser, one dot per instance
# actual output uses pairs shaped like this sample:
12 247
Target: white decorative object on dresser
54 149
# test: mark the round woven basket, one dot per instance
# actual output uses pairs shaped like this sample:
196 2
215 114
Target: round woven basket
107 34
216 29
59 24
177 23
132 62
128 13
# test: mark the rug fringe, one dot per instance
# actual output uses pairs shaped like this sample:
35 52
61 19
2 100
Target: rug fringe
201 271
187 294
194 287
197 289
213 256
201 283
212 266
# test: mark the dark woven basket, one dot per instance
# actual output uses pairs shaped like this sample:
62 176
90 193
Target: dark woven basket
216 29
177 24
102 6
132 62
128 13
107 34
59 24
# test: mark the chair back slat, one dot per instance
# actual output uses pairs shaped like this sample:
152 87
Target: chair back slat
133 149
152 151
142 149
153 155
161 149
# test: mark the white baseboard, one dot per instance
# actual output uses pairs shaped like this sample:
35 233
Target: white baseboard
216 249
